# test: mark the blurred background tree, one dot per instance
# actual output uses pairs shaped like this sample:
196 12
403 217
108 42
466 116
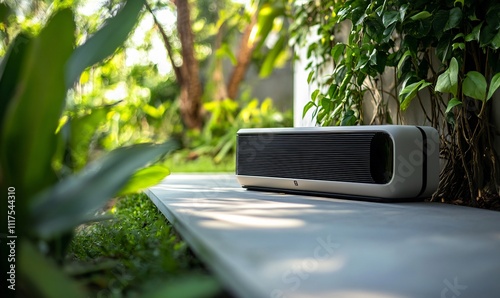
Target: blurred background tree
213 27
182 58
210 49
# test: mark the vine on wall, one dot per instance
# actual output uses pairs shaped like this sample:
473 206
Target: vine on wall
446 50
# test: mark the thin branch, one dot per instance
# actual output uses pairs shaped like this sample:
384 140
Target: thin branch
167 43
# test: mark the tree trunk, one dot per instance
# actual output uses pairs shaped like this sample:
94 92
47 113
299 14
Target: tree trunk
191 90
243 60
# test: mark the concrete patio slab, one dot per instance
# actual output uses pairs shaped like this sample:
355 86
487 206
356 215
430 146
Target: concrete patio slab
277 245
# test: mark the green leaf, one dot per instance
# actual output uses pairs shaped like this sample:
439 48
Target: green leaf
325 102
458 45
322 113
410 91
421 15
474 35
154 112
358 13
28 140
439 21
444 47
104 42
492 15
495 42
337 52
362 62
420 29
454 20
450 118
380 61
390 17
474 85
43 276
332 90
265 20
307 107
374 28
447 82
310 77
402 11
490 35
402 60
349 119
451 104
269 62
459 35
495 83
314 94
388 32
10 71
70 202
145 178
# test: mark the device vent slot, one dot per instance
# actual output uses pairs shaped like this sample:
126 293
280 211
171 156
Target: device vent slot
343 157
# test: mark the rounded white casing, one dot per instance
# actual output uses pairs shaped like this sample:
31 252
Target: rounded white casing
415 164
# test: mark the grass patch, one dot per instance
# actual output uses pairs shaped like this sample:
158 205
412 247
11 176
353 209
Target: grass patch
136 254
181 162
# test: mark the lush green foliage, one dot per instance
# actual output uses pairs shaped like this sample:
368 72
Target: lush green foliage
417 40
51 200
136 253
443 50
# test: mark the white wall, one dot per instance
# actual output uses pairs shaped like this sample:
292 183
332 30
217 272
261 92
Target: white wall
301 92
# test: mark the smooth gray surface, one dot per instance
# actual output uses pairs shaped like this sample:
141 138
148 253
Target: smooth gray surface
274 245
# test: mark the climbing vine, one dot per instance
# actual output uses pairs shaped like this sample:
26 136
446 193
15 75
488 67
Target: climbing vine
442 54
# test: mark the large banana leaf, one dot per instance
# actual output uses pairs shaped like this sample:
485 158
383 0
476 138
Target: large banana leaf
10 71
71 201
104 42
28 140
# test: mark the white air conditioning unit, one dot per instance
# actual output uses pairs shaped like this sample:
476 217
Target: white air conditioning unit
386 162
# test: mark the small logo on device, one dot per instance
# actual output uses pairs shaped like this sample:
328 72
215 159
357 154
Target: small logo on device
295 182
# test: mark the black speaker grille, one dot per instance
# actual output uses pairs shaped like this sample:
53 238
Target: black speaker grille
343 157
